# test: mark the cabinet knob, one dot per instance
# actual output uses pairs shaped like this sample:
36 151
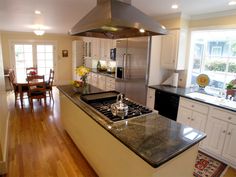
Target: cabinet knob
188 117
224 131
229 133
192 106
192 119
229 118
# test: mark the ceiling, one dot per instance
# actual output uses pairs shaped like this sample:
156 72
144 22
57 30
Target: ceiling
60 15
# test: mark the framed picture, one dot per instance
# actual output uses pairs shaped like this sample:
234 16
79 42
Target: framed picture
64 53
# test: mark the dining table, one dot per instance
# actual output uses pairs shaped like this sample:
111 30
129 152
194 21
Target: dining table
20 83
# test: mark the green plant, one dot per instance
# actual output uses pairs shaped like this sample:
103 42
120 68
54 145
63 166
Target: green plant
216 66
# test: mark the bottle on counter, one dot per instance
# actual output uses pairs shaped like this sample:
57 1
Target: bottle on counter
99 66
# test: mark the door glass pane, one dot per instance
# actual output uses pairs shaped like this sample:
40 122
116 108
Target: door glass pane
23 59
45 59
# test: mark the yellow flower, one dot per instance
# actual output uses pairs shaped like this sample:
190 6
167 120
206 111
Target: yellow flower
82 70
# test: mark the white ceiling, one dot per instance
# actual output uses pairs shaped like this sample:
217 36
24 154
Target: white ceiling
60 15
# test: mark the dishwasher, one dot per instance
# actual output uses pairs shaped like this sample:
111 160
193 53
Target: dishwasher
167 104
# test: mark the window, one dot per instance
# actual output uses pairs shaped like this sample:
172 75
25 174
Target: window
214 53
32 54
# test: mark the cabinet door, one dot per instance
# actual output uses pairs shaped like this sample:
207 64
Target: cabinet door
96 48
150 98
102 82
169 50
198 121
216 132
184 115
229 151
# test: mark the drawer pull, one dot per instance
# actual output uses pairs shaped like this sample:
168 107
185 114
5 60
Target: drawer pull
224 131
192 119
192 106
229 118
229 133
188 117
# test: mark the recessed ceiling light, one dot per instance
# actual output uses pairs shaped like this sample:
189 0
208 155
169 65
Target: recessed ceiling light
37 12
174 6
141 30
163 27
231 3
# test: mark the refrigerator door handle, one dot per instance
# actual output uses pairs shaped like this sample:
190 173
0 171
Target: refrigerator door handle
124 65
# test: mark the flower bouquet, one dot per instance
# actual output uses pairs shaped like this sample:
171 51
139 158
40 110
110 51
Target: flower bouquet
82 71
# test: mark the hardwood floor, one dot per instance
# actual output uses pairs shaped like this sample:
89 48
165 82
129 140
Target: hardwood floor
38 145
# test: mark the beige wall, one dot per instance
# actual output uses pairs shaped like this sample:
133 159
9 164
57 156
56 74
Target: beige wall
3 116
64 42
226 21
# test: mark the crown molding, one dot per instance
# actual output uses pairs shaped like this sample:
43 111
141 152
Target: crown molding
213 15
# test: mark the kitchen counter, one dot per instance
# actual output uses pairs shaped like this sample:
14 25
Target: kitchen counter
183 93
152 137
105 73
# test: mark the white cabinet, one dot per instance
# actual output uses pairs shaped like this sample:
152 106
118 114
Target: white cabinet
96 42
101 82
87 47
173 50
150 98
106 45
229 151
77 57
193 114
110 84
215 130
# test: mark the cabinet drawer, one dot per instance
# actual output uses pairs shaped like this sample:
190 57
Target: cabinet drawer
110 80
193 105
223 115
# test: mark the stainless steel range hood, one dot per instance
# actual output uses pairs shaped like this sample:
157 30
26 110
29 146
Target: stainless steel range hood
116 19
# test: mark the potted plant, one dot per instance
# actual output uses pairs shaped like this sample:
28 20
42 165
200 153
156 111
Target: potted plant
231 88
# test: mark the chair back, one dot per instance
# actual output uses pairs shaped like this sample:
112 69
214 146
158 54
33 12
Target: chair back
12 78
36 85
51 78
31 71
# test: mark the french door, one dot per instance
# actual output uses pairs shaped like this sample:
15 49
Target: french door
38 55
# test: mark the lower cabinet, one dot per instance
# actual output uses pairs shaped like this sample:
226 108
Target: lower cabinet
229 151
216 131
150 98
219 125
102 82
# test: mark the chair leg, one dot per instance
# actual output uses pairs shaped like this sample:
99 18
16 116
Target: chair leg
15 98
51 95
31 104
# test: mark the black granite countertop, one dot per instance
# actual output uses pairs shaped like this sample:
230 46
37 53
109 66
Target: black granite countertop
184 91
105 73
152 137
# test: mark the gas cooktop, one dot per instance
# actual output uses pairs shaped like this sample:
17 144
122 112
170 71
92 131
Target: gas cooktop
102 102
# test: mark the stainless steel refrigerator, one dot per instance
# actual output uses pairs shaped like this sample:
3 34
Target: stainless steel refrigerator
132 60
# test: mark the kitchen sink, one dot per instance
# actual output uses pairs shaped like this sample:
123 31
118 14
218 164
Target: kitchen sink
212 99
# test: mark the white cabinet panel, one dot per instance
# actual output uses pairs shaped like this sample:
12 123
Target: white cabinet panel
229 151
150 98
184 116
198 121
216 132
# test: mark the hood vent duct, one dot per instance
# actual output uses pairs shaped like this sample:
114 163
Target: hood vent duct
115 19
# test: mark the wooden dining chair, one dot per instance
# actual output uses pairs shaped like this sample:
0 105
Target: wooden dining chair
31 71
49 84
37 89
16 89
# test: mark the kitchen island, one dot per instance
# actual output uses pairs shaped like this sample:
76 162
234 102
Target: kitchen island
149 145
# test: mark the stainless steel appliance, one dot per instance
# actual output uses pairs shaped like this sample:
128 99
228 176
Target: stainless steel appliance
132 60
113 54
102 103
116 19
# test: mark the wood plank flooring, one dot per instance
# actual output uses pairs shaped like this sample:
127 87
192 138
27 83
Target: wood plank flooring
39 146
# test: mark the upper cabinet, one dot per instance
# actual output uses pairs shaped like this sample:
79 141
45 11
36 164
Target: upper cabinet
173 50
106 45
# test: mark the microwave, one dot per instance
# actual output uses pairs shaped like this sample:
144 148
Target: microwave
113 54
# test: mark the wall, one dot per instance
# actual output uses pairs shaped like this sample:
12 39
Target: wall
64 42
3 117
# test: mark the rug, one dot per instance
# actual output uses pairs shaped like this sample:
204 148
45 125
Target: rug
207 166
